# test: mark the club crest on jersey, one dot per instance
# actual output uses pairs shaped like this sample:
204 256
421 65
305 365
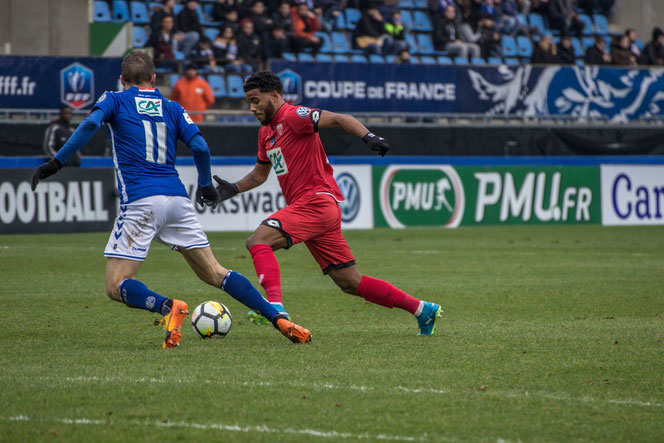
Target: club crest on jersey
280 129
278 161
302 111
149 106
272 140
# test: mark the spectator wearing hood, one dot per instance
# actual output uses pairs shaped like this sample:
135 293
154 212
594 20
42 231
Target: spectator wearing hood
654 51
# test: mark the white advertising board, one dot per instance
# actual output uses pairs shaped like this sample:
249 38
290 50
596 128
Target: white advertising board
632 195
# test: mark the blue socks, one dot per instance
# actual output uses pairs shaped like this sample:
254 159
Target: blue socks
243 291
136 295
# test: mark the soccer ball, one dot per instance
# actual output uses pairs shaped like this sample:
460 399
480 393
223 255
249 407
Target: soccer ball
211 319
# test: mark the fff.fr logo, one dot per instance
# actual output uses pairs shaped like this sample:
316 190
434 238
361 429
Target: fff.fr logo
292 85
76 86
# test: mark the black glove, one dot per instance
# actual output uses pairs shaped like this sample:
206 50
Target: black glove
225 189
207 196
46 170
376 143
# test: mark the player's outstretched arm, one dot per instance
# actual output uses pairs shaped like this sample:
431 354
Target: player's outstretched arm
350 124
255 178
79 138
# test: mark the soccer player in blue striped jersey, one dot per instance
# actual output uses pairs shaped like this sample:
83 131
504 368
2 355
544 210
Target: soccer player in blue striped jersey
143 128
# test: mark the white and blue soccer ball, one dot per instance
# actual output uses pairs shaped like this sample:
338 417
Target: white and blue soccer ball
211 319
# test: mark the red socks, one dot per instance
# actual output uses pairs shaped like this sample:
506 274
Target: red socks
383 293
267 270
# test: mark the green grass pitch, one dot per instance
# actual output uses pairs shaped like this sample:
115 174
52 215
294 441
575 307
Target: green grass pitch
549 334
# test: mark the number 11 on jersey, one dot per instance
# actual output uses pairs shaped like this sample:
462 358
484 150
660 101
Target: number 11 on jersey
149 142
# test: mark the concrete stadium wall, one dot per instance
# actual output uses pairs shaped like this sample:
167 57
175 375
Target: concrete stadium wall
44 27
641 15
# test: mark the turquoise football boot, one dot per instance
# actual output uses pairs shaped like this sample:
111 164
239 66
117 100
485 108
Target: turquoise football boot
427 320
257 319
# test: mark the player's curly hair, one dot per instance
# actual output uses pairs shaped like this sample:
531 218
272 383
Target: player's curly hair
137 68
264 81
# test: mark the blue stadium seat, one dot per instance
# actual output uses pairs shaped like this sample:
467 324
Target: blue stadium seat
587 42
357 58
339 42
177 8
444 60
139 37
414 47
460 61
414 60
120 11
578 49
173 79
179 55
420 4
234 86
211 33
512 61
422 22
588 28
405 4
477 61
205 15
407 20
352 17
304 57
601 24
340 58
427 60
537 21
425 44
326 47
289 56
494 61
218 85
508 45
101 12
375 58
390 58
139 13
524 46
323 58
340 23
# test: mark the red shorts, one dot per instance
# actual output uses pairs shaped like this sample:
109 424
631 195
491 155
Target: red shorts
316 221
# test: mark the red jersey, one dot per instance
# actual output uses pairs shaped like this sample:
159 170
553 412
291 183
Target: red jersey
292 145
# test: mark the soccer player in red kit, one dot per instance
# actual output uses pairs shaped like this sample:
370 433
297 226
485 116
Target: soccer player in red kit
288 142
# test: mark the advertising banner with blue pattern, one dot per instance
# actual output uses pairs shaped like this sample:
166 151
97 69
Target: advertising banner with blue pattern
51 82
610 93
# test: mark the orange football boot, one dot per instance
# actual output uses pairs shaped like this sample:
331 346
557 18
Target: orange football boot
173 323
296 334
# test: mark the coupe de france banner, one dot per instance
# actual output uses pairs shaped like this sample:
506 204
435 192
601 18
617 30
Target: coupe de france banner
614 94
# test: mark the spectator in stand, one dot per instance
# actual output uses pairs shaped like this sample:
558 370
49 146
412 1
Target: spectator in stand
540 7
204 57
437 9
164 39
566 54
397 32
592 6
447 38
563 17
193 93
492 10
231 20
225 50
187 22
634 47
262 22
275 43
403 57
305 25
249 44
370 33
158 14
545 52
654 51
512 9
331 10
620 53
221 8
56 135
597 53
282 18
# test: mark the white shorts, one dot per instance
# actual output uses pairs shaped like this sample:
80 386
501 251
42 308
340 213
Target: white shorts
171 220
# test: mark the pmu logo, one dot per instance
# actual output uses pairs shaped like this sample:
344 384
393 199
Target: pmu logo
76 86
292 85
422 196
349 188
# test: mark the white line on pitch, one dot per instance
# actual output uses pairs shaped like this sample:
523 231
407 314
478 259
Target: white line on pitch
329 386
222 427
